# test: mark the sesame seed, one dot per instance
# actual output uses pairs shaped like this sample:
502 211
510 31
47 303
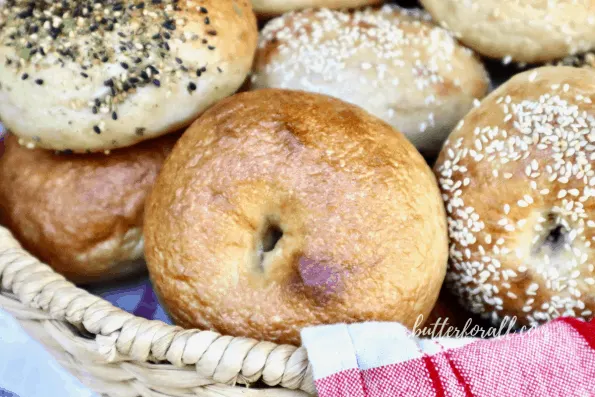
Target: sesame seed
96 129
386 32
548 143
39 82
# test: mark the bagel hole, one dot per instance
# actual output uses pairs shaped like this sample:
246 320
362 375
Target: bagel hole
272 235
556 237
269 240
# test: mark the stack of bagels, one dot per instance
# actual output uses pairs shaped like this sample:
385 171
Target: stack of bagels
94 95
307 198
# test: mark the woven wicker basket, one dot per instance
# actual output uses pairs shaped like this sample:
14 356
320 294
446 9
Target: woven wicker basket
120 355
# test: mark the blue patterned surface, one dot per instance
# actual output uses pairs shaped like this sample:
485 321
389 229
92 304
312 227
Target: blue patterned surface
28 370
136 297
6 393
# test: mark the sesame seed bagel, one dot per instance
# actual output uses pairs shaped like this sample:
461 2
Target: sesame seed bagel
519 30
90 75
81 214
268 8
282 209
518 181
394 63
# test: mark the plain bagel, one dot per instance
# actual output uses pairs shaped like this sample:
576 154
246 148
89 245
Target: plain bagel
86 75
268 8
522 31
282 209
518 181
393 62
81 214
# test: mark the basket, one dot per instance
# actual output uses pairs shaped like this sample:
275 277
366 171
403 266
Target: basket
118 354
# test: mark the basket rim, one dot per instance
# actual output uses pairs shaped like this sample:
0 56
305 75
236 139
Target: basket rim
121 336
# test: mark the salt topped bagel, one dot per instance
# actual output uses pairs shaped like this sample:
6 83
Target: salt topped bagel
81 214
87 75
393 62
519 30
268 8
518 181
282 209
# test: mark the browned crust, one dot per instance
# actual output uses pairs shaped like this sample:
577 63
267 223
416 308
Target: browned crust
74 211
364 228
486 270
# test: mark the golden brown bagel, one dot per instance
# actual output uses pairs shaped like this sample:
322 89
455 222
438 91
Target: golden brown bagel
518 181
81 214
282 209
269 8
519 30
86 75
393 62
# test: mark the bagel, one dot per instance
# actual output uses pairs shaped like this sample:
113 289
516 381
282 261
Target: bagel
393 62
269 8
518 182
282 209
81 214
85 75
522 31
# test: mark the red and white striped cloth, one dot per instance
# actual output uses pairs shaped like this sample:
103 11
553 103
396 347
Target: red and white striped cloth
385 359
